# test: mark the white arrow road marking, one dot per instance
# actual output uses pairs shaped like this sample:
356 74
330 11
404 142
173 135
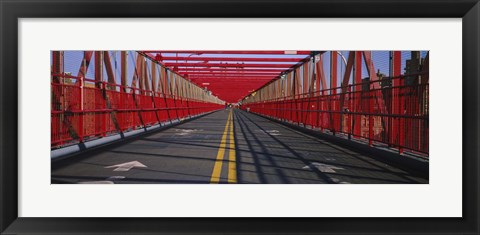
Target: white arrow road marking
323 167
269 132
126 166
186 131
273 132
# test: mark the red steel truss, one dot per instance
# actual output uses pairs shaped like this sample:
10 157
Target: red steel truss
250 69
389 111
83 108
333 92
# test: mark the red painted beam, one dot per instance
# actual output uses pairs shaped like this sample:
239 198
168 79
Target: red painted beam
109 69
228 73
291 52
230 78
98 68
239 59
189 58
321 80
333 71
357 96
397 131
345 86
231 75
333 83
87 57
286 66
188 70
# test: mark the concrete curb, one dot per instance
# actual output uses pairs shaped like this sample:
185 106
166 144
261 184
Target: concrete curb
421 168
63 153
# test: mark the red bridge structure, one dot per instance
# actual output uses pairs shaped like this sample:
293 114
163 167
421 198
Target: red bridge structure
375 101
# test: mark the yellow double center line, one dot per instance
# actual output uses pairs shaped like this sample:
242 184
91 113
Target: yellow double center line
232 165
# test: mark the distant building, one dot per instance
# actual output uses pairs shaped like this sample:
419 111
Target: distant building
413 66
385 81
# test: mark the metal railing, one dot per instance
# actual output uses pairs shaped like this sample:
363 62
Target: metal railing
88 109
394 116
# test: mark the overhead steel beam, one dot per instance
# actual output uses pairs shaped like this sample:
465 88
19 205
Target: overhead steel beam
233 75
226 79
208 70
240 59
292 52
228 65
228 73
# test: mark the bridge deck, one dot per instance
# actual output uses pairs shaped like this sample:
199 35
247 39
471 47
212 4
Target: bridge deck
201 151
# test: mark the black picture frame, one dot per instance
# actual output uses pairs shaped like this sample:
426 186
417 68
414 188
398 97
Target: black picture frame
12 10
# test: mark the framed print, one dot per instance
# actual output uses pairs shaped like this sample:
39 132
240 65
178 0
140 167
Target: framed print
239 117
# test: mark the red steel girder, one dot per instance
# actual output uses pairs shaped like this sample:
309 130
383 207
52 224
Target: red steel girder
124 70
397 104
357 96
138 72
320 76
226 79
333 71
333 84
230 82
98 68
284 52
188 70
245 90
239 59
229 73
346 76
87 57
232 75
109 69
286 66
232 79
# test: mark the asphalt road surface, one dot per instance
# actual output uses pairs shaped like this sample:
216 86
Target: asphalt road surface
228 146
